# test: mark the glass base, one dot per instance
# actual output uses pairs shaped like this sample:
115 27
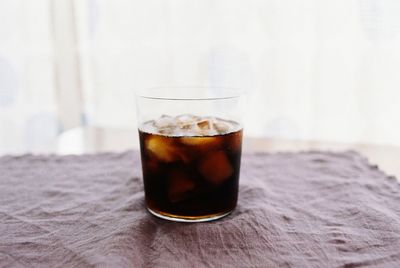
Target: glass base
178 218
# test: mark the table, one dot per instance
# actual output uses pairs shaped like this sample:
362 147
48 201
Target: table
386 157
307 209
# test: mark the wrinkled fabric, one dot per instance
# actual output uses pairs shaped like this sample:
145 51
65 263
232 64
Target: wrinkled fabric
311 209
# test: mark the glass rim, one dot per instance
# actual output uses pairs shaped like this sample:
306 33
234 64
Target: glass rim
161 93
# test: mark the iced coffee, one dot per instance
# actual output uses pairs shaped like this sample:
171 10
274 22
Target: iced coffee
190 166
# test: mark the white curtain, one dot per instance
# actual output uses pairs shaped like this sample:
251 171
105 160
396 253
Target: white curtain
28 110
312 69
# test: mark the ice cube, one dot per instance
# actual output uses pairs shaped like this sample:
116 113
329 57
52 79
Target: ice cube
164 121
161 148
204 124
221 127
205 127
187 126
165 150
166 131
165 125
206 143
215 167
180 185
184 124
186 119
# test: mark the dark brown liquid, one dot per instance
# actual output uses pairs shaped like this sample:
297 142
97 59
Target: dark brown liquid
191 177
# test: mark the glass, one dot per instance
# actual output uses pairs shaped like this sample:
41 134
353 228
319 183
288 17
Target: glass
190 143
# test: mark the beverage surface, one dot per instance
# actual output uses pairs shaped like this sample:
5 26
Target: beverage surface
190 165
189 125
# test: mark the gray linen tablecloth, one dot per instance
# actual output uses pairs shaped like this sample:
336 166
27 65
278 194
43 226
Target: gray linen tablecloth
311 209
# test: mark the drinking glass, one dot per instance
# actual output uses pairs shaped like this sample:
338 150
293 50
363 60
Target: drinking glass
190 144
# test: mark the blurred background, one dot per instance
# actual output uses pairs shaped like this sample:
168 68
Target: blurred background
316 70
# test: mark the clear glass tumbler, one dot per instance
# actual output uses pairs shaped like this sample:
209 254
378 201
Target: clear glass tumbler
190 143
